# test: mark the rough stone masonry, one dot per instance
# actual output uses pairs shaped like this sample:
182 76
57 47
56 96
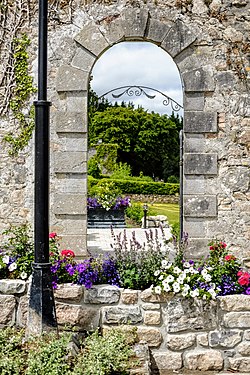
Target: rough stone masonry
209 41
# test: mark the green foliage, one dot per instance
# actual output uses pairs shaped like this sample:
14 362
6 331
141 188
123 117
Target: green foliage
106 155
148 142
12 358
135 212
136 263
48 355
122 171
138 186
19 248
93 167
106 192
173 180
23 89
105 355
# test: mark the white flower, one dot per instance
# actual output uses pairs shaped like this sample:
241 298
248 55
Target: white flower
161 277
212 292
169 278
194 293
204 272
186 287
12 266
181 278
177 270
157 290
164 263
23 275
176 287
157 273
166 287
207 278
186 264
204 297
184 293
6 259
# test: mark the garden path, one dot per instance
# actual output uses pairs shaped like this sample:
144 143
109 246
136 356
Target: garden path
100 240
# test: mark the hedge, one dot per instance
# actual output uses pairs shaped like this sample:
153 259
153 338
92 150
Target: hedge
140 187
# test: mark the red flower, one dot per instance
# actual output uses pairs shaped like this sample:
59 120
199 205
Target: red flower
244 279
223 244
52 235
67 253
239 273
211 248
229 257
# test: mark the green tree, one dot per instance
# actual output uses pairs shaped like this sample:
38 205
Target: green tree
148 142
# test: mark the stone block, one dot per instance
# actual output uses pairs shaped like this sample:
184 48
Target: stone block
113 31
152 318
180 342
148 296
22 312
198 80
202 339
200 164
134 22
71 79
81 317
70 162
197 247
244 348
69 226
129 297
121 315
83 60
194 101
73 142
167 361
237 320
78 243
8 310
195 227
225 339
102 294
157 30
151 306
194 184
70 122
200 122
69 292
77 101
236 302
70 204
68 183
12 286
182 314
200 205
203 360
194 143
91 38
237 178
239 364
152 336
178 38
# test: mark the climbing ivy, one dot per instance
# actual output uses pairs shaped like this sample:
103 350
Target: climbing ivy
20 99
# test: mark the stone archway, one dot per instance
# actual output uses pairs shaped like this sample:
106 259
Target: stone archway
69 160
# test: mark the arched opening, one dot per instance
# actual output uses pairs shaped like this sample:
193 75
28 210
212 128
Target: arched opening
135 90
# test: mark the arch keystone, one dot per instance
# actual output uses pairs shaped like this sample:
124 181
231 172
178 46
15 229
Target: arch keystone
134 23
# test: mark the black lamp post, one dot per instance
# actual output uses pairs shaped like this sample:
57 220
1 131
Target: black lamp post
145 210
41 314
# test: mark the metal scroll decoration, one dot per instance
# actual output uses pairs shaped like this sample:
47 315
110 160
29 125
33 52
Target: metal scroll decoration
142 90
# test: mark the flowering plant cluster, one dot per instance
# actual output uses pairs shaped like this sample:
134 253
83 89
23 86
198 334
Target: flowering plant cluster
16 255
218 274
65 269
107 196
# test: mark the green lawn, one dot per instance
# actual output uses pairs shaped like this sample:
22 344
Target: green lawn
168 209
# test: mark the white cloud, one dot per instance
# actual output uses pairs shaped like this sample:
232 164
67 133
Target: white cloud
138 63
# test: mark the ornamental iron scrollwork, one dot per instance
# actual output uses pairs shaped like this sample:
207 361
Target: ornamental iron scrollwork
141 90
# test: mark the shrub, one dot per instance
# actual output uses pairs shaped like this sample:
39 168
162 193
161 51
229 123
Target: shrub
135 212
122 171
109 354
93 167
12 358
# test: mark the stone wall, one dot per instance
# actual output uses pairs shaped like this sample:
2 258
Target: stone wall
209 42
180 333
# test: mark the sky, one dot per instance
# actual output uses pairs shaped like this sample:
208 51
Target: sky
138 63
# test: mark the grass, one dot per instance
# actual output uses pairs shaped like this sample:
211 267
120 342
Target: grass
170 210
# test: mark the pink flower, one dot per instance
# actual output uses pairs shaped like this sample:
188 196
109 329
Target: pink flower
67 253
229 257
52 235
244 279
239 273
223 244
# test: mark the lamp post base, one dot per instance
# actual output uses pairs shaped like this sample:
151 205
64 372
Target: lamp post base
41 308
